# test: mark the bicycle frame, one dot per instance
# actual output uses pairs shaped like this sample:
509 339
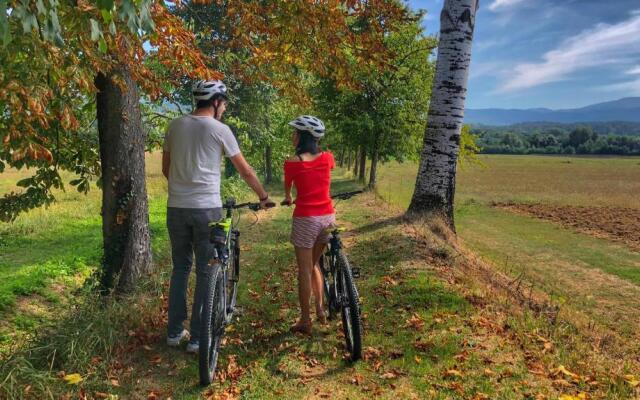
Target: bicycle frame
221 237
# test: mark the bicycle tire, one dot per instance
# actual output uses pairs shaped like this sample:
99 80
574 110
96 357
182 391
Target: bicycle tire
351 322
234 275
211 326
328 285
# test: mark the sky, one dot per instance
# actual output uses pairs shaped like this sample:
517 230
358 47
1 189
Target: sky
550 53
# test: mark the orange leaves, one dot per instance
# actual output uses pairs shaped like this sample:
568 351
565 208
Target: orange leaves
415 322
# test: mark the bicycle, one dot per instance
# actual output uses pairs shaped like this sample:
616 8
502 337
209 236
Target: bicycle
221 288
340 291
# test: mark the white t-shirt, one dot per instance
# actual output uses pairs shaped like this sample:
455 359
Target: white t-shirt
196 145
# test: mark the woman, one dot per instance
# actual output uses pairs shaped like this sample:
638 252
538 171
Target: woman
310 171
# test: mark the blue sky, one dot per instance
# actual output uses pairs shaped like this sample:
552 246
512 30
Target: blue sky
550 53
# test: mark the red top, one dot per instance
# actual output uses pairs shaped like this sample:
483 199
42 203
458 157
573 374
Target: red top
312 180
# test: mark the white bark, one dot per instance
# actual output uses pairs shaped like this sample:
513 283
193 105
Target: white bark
435 183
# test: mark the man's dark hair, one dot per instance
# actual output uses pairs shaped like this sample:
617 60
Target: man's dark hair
307 143
210 102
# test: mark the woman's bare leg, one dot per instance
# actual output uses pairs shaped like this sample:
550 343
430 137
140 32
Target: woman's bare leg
305 266
317 281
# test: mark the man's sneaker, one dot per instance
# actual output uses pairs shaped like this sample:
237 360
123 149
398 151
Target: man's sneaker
174 340
193 346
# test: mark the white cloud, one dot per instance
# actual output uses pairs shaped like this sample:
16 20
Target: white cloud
498 4
634 70
629 88
603 45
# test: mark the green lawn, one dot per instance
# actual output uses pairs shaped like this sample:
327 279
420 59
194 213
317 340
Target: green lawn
48 252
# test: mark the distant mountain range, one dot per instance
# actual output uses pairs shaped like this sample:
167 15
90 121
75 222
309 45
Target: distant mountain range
626 109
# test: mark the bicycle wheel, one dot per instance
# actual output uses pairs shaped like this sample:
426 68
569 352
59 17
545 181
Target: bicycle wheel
234 273
211 326
328 284
351 324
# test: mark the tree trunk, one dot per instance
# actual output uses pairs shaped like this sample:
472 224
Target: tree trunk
125 214
374 161
349 160
341 158
268 165
362 164
355 163
436 179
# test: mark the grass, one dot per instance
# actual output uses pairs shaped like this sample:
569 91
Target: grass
427 335
594 280
587 181
60 247
422 335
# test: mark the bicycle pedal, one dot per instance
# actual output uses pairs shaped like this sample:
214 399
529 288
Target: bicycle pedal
355 271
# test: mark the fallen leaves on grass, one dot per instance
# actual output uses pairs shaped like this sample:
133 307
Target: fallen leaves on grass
422 346
632 381
579 396
561 371
389 375
371 353
416 322
357 380
450 373
72 379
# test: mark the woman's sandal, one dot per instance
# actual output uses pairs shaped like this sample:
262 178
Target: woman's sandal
300 327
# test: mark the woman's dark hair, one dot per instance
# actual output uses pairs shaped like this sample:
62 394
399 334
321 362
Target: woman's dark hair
307 143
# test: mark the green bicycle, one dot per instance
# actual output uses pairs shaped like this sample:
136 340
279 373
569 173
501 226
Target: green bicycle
221 288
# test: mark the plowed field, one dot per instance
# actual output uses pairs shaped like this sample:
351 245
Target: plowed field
615 223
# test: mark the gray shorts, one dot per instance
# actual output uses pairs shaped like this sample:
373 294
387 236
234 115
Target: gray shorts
307 231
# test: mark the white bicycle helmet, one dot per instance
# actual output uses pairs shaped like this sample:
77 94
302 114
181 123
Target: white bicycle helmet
309 123
204 90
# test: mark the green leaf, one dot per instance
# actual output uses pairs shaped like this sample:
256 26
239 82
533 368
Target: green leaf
26 182
112 28
5 32
29 22
106 5
76 182
96 32
102 45
40 7
106 16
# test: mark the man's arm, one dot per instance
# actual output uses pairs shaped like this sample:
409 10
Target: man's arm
248 175
166 163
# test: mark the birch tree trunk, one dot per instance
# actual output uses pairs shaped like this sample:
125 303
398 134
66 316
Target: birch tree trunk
436 179
125 214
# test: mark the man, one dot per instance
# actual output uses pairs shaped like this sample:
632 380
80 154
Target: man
191 160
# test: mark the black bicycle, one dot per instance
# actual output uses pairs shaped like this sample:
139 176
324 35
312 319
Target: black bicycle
341 293
221 288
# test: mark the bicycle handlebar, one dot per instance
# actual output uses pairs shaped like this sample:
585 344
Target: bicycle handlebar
346 195
231 204
341 196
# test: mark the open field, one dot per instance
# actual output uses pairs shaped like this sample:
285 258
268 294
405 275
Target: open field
574 181
596 278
